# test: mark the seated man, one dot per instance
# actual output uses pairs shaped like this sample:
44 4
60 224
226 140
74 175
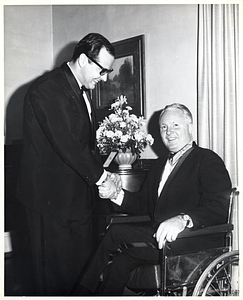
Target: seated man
190 188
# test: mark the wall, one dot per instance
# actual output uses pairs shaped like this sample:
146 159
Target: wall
28 52
170 45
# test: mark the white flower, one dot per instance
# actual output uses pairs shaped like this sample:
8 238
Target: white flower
113 118
150 139
123 124
138 136
124 138
142 122
98 133
122 99
114 105
134 117
109 134
125 113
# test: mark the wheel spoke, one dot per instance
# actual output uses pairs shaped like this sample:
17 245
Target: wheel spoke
216 280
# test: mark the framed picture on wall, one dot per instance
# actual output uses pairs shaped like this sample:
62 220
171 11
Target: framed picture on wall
127 78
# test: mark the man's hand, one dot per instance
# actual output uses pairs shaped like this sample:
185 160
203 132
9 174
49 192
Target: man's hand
169 230
116 178
111 187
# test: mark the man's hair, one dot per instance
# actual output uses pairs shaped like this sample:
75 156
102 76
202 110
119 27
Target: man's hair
91 45
182 107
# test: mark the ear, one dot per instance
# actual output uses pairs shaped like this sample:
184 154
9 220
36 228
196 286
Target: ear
190 128
82 60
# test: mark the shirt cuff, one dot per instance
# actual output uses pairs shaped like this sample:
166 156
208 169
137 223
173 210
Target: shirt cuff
119 199
190 223
188 219
102 178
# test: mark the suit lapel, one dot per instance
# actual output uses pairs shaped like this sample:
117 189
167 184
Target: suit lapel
157 177
75 87
174 171
71 79
73 83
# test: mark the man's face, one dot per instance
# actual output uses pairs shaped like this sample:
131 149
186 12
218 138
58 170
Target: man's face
91 71
175 129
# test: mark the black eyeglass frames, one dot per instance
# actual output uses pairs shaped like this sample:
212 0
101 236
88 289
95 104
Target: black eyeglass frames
103 70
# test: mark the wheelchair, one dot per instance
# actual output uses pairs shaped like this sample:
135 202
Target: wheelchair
212 272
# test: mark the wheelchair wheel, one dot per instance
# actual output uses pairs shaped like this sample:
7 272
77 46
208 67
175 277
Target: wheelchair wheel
216 280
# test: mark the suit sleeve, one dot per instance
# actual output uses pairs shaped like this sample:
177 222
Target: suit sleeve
141 202
66 130
214 186
135 202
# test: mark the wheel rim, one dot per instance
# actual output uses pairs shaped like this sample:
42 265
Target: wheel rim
216 280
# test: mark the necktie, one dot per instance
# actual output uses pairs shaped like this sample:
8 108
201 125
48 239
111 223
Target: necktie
174 157
170 156
83 88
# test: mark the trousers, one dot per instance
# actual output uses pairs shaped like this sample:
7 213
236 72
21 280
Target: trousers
60 251
116 272
116 263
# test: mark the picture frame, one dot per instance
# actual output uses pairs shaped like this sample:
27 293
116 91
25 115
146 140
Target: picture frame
127 79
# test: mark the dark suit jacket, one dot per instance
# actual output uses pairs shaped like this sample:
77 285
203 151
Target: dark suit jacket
200 188
60 162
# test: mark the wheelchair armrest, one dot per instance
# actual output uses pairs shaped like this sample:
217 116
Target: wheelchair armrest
119 218
224 228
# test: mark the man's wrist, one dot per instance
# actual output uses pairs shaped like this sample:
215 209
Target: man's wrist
103 178
188 220
119 198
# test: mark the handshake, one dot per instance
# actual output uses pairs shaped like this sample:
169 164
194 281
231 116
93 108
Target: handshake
111 187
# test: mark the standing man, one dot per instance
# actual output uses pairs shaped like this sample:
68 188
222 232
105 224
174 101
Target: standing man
61 166
188 188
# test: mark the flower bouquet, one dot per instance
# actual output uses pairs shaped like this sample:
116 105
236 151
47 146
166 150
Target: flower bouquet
122 131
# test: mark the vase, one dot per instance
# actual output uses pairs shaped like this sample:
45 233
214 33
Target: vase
125 160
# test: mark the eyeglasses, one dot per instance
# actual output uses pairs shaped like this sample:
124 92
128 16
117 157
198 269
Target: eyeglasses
103 70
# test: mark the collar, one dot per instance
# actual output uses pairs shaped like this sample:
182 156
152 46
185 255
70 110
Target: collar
78 81
174 157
